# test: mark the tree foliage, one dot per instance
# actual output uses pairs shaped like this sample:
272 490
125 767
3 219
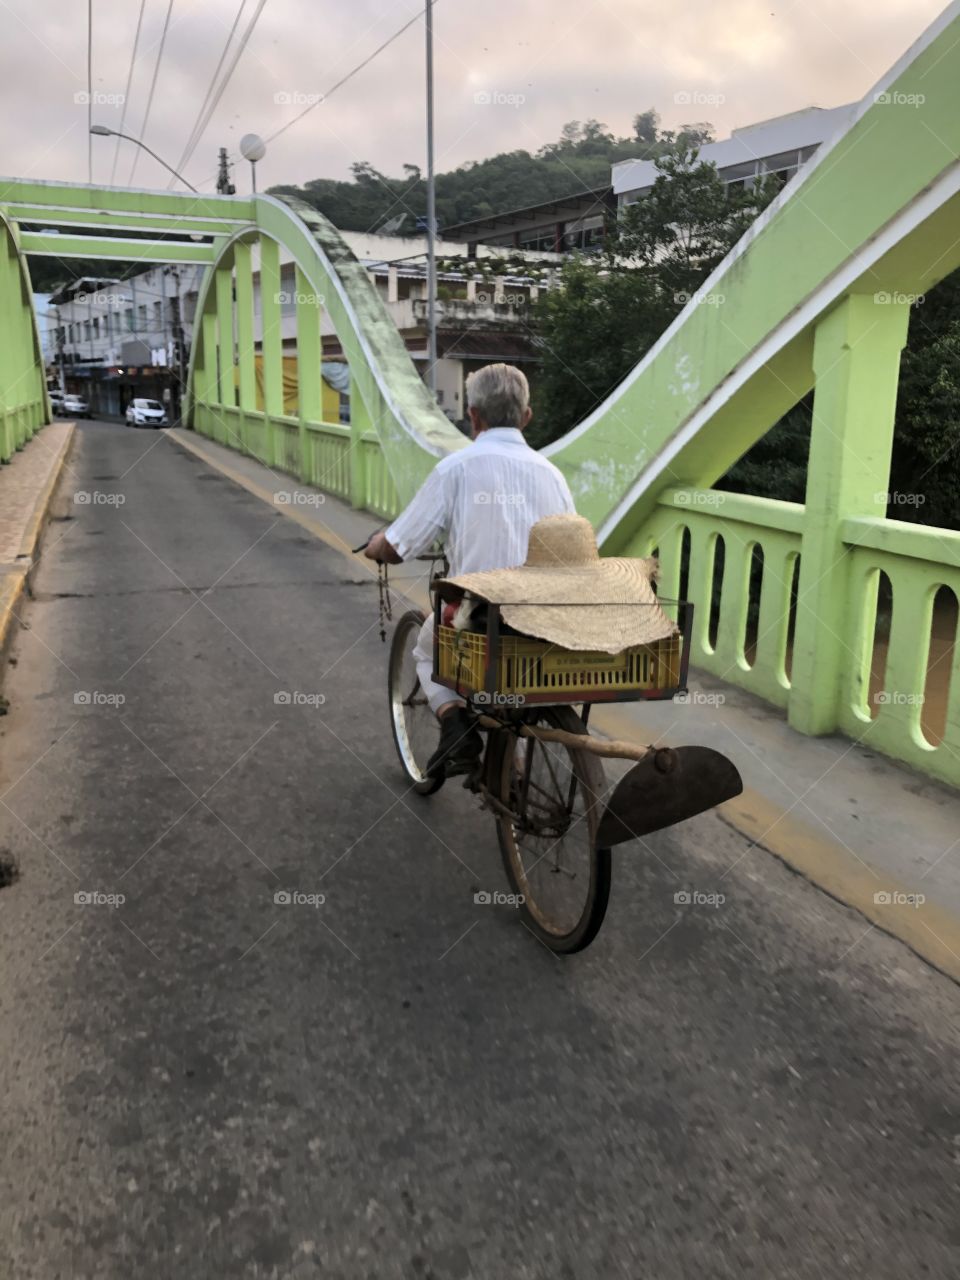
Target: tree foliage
578 160
925 476
611 308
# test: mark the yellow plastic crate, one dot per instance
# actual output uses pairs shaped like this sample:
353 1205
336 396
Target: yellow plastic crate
540 671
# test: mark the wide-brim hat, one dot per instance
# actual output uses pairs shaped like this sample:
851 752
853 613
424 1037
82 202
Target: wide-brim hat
565 593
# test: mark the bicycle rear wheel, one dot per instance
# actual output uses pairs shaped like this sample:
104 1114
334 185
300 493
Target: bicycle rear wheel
550 849
415 729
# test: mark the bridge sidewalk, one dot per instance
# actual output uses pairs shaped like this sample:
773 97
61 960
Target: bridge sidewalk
27 483
873 834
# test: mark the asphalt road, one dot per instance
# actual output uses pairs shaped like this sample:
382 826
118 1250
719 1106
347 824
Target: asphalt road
197 1082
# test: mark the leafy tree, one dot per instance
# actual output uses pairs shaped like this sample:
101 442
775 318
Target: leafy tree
776 466
609 311
645 127
590 332
579 160
926 446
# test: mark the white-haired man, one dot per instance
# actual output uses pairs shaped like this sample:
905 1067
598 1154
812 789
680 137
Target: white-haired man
481 502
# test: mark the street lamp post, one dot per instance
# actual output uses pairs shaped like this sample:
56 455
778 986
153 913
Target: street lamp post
431 215
253 148
102 131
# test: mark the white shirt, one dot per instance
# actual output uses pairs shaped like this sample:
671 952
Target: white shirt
482 502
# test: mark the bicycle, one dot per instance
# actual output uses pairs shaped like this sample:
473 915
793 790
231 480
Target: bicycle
541 772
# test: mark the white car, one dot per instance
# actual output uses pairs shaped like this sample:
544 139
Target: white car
146 413
73 407
56 400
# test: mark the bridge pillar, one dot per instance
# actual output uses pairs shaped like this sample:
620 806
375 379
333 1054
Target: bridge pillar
8 370
206 376
309 368
227 396
360 424
856 362
246 351
271 329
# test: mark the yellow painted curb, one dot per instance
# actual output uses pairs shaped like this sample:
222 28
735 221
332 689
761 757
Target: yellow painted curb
932 933
11 590
31 534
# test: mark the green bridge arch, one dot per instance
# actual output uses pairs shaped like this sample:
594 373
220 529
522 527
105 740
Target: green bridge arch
24 403
816 296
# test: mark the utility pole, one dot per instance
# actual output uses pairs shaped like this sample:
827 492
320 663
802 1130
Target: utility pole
61 343
178 346
431 215
224 186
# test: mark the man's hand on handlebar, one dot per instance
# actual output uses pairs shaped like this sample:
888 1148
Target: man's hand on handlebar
378 548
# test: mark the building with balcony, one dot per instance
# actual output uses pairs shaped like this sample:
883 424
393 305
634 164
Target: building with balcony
574 223
110 340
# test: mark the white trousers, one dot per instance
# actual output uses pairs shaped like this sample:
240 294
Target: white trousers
437 694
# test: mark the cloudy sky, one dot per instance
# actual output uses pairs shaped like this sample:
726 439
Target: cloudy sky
509 74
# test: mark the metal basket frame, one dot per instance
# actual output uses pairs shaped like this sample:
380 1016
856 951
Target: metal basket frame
552 697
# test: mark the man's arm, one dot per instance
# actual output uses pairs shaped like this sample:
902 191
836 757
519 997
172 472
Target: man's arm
417 529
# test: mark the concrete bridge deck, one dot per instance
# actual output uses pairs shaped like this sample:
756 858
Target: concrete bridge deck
853 821
400 1083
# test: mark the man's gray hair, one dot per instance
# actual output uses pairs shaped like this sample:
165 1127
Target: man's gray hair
500 394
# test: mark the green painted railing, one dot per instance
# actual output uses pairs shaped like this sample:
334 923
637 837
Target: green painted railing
736 557
894 713
327 458
328 455
739 559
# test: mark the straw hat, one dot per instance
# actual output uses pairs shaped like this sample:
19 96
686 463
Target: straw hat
566 594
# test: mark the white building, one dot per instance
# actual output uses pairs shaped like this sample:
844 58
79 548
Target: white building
778 146
116 339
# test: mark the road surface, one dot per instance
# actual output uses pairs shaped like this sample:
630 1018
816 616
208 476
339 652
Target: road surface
200 1082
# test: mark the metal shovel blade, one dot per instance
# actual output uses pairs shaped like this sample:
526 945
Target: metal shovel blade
667 787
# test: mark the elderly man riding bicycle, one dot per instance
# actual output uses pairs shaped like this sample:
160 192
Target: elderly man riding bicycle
482 503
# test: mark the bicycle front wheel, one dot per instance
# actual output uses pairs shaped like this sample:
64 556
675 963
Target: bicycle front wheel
549 848
415 730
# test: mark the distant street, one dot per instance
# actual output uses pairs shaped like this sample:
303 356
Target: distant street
395 1082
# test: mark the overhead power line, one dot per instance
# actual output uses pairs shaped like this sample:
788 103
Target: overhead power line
349 76
89 91
153 86
200 127
126 92
192 137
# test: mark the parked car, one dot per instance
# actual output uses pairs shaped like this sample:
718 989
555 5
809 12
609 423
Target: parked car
56 401
73 407
146 413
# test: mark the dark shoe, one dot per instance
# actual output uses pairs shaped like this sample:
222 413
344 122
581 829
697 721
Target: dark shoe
461 745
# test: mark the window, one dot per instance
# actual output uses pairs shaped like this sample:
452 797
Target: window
541 239
128 317
740 175
585 233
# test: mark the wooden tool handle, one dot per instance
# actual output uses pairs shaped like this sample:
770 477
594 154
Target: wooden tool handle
578 741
